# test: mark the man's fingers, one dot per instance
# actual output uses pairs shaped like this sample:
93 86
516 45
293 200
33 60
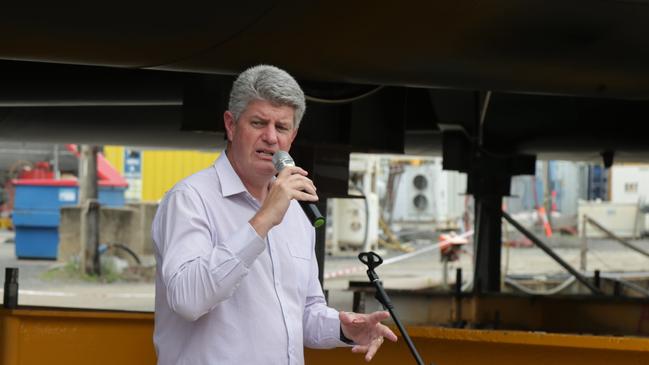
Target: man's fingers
373 348
301 183
379 316
291 170
369 349
302 196
360 349
298 187
387 333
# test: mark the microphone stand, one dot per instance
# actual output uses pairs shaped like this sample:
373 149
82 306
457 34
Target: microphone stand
372 260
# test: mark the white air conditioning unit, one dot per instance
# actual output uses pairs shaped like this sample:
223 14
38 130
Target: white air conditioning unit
355 223
415 193
421 201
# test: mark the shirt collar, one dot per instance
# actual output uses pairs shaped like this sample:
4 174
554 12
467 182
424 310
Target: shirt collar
231 183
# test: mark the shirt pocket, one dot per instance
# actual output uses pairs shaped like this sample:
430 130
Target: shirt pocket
300 250
299 268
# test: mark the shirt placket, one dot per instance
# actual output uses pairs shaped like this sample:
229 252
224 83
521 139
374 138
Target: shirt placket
276 261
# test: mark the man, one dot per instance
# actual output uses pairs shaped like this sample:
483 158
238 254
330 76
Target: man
236 278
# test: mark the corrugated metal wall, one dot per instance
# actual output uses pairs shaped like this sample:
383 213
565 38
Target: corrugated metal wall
161 169
115 155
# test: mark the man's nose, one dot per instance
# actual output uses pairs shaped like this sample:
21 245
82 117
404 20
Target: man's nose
270 135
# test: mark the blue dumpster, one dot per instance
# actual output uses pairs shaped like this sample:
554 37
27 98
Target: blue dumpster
37 215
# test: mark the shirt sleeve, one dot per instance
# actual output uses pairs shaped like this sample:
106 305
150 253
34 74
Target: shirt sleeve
200 270
320 322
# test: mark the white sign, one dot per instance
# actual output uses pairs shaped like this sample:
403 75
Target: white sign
68 195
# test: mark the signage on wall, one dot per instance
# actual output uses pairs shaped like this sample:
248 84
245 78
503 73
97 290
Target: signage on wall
133 174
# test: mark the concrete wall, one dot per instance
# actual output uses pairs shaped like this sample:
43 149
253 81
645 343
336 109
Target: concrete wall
130 226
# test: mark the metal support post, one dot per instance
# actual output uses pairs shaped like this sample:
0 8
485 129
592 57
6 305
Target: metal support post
583 255
10 295
488 236
320 242
457 320
88 200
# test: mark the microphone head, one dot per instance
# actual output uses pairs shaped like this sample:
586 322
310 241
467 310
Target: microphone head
282 159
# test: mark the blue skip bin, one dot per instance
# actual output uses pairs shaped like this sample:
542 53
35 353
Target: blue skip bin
36 215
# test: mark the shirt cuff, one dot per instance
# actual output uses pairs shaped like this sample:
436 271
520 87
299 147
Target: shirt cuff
246 245
344 338
334 330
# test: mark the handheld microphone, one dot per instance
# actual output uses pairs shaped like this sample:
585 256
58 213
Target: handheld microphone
282 159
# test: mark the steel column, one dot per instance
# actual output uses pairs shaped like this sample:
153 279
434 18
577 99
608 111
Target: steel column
488 215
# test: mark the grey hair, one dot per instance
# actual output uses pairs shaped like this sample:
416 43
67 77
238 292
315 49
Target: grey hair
269 83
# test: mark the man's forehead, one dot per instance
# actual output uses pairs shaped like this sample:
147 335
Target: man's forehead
281 113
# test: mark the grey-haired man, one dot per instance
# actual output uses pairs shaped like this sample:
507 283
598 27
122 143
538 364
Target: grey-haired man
236 275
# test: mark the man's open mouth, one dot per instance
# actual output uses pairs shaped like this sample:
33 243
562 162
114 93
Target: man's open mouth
265 153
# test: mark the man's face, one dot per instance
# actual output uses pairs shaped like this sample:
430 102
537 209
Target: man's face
262 130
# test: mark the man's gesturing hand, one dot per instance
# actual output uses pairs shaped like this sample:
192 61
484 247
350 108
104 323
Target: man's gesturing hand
366 331
291 183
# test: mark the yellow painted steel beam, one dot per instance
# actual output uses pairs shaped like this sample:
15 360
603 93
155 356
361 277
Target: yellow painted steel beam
444 346
69 337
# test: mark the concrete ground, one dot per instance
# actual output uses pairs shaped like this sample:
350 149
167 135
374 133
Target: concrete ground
38 288
423 270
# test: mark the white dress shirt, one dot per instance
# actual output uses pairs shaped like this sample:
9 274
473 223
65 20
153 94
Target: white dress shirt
224 295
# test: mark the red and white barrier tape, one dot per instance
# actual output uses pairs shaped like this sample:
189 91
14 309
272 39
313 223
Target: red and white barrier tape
354 269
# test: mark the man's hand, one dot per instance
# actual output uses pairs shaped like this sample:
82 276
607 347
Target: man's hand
291 183
366 331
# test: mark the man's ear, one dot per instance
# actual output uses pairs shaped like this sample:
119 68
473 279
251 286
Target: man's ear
230 124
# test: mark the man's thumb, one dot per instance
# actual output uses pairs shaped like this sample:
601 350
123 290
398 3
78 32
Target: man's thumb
345 317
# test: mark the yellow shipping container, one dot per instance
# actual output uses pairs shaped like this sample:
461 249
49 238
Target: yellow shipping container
162 169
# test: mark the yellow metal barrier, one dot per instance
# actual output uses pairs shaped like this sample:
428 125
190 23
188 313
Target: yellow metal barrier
70 337
445 346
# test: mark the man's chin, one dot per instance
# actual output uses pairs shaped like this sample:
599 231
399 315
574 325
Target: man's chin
266 169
